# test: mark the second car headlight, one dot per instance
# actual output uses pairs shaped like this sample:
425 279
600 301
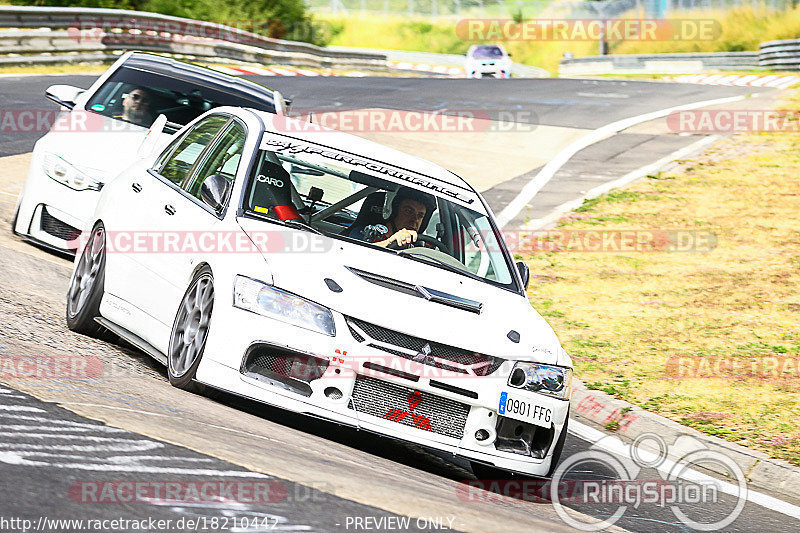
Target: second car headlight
555 381
63 172
258 297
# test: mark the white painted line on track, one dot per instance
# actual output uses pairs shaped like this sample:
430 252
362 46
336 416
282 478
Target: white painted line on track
527 193
539 223
618 447
10 194
21 408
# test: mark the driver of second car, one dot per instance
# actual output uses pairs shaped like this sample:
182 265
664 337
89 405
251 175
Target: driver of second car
136 107
409 209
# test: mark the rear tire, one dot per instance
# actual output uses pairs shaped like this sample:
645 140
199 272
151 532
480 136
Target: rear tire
86 287
187 341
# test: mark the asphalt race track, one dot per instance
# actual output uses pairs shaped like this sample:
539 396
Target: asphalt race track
63 440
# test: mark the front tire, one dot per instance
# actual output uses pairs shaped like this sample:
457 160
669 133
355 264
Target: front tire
86 287
187 341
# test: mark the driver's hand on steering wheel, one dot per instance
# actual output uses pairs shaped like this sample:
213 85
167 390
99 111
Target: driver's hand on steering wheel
403 237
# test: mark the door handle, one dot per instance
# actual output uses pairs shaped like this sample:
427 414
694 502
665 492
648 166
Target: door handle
136 187
169 209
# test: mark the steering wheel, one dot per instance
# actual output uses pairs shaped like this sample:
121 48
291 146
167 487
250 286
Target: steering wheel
433 241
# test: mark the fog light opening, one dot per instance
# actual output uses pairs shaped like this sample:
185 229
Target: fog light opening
332 393
485 436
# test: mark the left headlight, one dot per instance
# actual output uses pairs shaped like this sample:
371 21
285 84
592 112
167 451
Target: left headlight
555 381
63 172
263 299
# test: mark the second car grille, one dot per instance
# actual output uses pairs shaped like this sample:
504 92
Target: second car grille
53 226
480 364
409 407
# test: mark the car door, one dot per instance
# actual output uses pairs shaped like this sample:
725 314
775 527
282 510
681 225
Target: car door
189 227
153 190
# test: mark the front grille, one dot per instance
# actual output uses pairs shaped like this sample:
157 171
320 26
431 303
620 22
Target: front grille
409 407
480 364
53 226
283 368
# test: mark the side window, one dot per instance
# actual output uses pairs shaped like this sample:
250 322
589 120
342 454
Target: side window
222 158
180 162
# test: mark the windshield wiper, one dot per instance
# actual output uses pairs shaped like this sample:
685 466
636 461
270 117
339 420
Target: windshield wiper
297 223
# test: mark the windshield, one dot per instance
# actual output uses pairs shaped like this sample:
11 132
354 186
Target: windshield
487 52
138 97
350 201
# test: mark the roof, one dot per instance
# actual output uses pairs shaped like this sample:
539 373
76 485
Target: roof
201 76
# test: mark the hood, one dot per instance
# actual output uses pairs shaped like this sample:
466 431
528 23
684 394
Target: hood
377 287
98 146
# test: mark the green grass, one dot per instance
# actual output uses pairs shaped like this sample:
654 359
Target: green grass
635 321
739 30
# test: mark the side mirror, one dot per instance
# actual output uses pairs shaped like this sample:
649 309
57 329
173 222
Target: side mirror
63 95
281 106
214 190
525 272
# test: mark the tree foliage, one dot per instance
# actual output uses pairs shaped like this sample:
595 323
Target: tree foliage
281 19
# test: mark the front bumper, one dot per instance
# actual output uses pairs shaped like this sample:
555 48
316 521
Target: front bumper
488 70
343 380
52 214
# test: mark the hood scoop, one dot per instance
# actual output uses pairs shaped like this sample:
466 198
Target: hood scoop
419 291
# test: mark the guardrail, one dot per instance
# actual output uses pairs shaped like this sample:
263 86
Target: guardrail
780 54
658 63
69 33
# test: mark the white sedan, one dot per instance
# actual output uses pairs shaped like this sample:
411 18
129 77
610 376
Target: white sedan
328 275
488 61
101 129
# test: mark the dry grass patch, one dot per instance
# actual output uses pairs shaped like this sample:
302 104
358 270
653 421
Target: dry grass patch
710 339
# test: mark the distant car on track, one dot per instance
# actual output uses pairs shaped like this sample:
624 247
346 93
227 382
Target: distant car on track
487 60
102 128
249 256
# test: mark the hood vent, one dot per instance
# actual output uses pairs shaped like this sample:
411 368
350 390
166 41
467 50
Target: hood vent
419 291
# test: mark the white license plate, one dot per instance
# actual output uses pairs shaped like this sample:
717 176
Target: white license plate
524 409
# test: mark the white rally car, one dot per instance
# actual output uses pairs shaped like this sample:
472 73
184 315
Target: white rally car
101 129
251 256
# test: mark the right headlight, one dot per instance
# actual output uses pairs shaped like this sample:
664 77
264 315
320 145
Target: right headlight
550 380
63 172
263 299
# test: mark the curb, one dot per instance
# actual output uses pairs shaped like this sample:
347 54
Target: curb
596 409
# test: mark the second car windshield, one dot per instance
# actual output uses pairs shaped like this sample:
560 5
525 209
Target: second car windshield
139 97
487 52
345 202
